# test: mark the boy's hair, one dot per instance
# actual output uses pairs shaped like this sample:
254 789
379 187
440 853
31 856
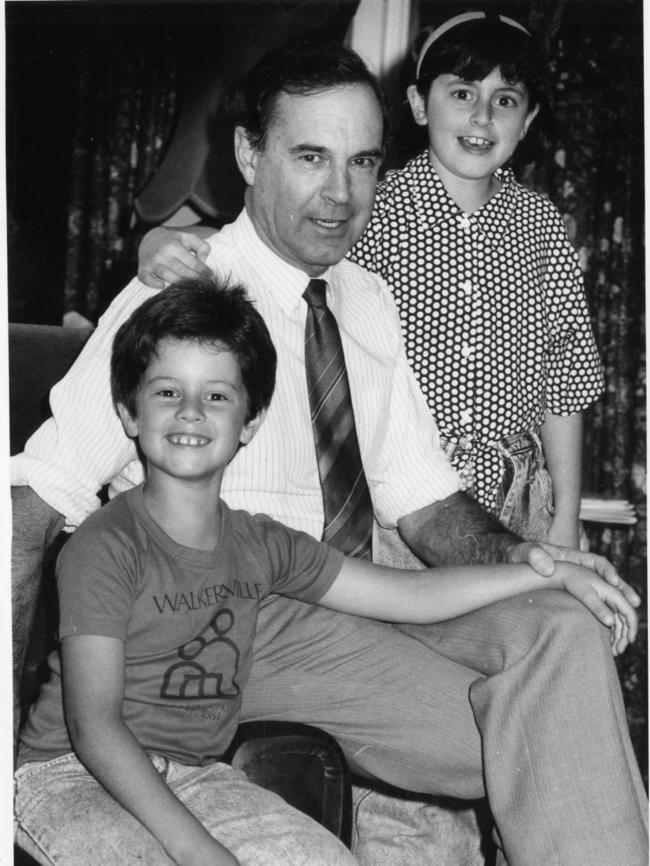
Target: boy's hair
204 311
302 68
473 48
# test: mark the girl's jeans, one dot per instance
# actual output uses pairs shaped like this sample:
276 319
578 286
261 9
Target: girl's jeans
64 816
521 498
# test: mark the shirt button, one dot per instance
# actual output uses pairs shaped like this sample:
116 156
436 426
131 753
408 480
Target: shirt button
467 287
466 417
464 223
467 351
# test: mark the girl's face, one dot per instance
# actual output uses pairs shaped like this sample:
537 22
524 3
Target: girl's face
474 126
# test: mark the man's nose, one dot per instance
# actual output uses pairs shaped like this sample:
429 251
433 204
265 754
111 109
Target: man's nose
337 185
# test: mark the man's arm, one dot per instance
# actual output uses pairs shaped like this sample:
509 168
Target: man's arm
35 525
456 531
166 255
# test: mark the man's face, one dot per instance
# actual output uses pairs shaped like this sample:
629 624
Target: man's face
312 187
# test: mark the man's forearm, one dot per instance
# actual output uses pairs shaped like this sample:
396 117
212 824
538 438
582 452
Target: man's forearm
456 531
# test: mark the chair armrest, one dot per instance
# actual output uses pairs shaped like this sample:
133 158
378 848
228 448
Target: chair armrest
302 764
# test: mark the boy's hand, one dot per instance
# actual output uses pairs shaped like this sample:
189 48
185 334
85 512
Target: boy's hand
543 557
167 255
607 603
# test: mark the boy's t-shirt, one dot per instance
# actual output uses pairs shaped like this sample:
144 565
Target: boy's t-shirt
187 618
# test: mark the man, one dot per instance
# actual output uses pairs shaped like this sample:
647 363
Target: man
519 701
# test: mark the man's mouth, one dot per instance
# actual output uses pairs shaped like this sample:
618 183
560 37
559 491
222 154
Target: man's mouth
329 224
186 439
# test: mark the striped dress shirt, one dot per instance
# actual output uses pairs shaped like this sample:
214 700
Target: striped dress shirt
83 446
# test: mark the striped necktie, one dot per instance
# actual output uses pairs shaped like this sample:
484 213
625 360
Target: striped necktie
346 499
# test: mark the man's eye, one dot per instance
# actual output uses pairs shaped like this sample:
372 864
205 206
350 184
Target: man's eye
367 162
311 158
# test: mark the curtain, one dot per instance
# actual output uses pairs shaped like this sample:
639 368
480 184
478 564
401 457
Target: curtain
126 114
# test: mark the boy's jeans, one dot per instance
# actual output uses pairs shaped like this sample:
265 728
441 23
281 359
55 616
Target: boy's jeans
64 816
522 498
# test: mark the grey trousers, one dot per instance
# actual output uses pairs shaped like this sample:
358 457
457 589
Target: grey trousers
519 702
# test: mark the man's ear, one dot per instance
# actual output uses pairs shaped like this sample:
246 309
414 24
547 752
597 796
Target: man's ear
245 154
129 423
532 114
251 427
418 105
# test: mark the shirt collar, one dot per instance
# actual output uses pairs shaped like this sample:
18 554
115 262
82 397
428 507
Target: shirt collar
493 218
284 281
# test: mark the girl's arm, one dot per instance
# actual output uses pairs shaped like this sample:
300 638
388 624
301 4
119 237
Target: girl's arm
93 687
434 595
562 443
166 255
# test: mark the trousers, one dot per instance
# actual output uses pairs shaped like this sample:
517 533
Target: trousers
63 817
518 702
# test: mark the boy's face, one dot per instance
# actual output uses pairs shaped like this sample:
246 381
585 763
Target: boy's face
474 126
191 410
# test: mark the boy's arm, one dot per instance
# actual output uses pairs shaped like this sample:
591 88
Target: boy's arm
166 255
93 686
562 443
364 589
457 531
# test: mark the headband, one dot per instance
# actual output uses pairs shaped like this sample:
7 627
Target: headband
462 19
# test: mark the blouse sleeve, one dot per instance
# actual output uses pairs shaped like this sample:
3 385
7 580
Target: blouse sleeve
575 371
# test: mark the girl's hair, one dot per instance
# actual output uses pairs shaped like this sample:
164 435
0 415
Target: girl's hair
471 45
203 311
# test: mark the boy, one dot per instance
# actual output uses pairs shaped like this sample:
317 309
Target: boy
159 595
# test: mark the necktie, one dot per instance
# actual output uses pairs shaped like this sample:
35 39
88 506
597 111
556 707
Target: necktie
346 499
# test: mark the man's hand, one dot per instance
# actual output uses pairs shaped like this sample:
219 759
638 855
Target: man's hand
167 255
543 558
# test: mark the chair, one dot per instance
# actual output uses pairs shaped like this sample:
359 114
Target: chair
301 763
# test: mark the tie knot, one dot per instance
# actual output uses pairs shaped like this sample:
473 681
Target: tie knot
314 294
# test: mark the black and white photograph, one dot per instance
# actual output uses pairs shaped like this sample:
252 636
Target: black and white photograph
325 362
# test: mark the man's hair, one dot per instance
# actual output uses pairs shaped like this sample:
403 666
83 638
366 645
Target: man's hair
204 311
302 68
473 49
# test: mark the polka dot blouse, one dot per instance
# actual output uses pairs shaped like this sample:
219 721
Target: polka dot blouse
492 304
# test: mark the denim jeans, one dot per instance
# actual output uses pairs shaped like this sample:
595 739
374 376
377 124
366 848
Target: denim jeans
64 816
522 498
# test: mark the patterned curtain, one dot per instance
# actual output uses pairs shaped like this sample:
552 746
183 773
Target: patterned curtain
126 114
593 171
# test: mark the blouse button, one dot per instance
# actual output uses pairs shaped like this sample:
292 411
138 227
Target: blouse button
466 417
467 351
464 223
467 287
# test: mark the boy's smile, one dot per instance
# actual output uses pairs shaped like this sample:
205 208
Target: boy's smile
191 413
474 127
